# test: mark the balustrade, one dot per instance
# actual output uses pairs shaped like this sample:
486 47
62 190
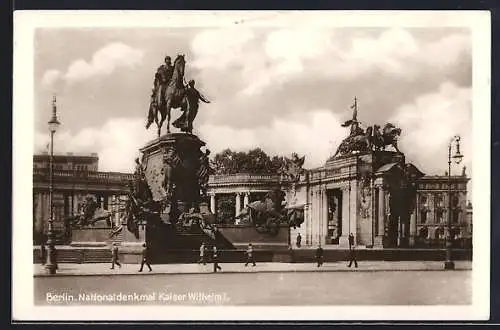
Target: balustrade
64 175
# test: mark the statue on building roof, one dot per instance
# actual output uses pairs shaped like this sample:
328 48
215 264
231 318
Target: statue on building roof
373 138
358 139
388 137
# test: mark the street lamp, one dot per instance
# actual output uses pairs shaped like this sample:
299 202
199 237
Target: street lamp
457 158
51 265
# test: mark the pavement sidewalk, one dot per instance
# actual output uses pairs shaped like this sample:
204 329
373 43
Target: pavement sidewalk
103 269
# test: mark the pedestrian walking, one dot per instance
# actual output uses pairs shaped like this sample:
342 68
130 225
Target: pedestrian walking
299 240
43 253
114 256
202 254
215 259
250 256
319 256
145 257
352 252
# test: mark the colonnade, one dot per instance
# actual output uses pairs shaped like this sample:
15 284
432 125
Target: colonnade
241 201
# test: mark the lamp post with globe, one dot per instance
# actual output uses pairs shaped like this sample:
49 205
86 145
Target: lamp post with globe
51 265
457 158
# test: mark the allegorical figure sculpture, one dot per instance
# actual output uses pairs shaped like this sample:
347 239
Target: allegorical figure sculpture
169 93
204 172
185 121
360 140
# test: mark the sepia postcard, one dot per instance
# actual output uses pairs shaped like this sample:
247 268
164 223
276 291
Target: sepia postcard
240 165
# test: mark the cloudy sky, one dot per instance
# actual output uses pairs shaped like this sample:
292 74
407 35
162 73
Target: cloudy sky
282 89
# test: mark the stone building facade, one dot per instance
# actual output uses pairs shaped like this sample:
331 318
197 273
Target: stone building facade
74 177
370 196
339 198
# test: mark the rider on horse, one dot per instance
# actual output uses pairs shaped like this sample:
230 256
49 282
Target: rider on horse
162 79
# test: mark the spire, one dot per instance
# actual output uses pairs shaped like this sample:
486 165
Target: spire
354 120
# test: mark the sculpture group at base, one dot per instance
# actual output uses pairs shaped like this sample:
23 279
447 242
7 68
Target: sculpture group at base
90 214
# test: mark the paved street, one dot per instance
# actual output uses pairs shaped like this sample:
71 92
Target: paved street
66 269
254 287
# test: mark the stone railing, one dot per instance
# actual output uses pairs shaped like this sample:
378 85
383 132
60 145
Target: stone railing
76 176
239 178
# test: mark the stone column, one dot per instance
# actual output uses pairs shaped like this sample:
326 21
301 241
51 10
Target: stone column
76 200
245 198
212 203
100 201
344 239
413 228
109 204
379 235
238 203
381 211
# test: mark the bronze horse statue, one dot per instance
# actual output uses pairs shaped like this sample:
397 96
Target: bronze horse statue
357 142
372 139
91 214
170 97
388 137
268 215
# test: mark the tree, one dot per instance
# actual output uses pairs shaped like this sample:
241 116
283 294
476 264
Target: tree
255 161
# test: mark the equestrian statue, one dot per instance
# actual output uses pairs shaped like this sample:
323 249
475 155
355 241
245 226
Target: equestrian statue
171 92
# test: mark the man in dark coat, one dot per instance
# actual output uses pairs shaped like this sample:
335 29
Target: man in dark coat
114 256
352 252
215 259
319 256
145 257
299 240
250 256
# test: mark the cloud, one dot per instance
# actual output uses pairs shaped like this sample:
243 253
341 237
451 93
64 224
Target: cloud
50 77
283 55
315 134
429 123
219 48
103 63
117 142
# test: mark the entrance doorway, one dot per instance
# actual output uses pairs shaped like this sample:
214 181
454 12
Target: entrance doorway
334 226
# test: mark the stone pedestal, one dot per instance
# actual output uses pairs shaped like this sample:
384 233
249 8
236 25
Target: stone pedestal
171 165
344 241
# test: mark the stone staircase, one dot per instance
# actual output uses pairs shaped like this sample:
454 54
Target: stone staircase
77 255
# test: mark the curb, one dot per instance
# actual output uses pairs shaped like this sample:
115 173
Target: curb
257 271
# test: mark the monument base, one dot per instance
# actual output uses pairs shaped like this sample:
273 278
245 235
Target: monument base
344 241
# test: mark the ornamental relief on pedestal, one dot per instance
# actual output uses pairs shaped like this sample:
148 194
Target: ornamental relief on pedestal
365 196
